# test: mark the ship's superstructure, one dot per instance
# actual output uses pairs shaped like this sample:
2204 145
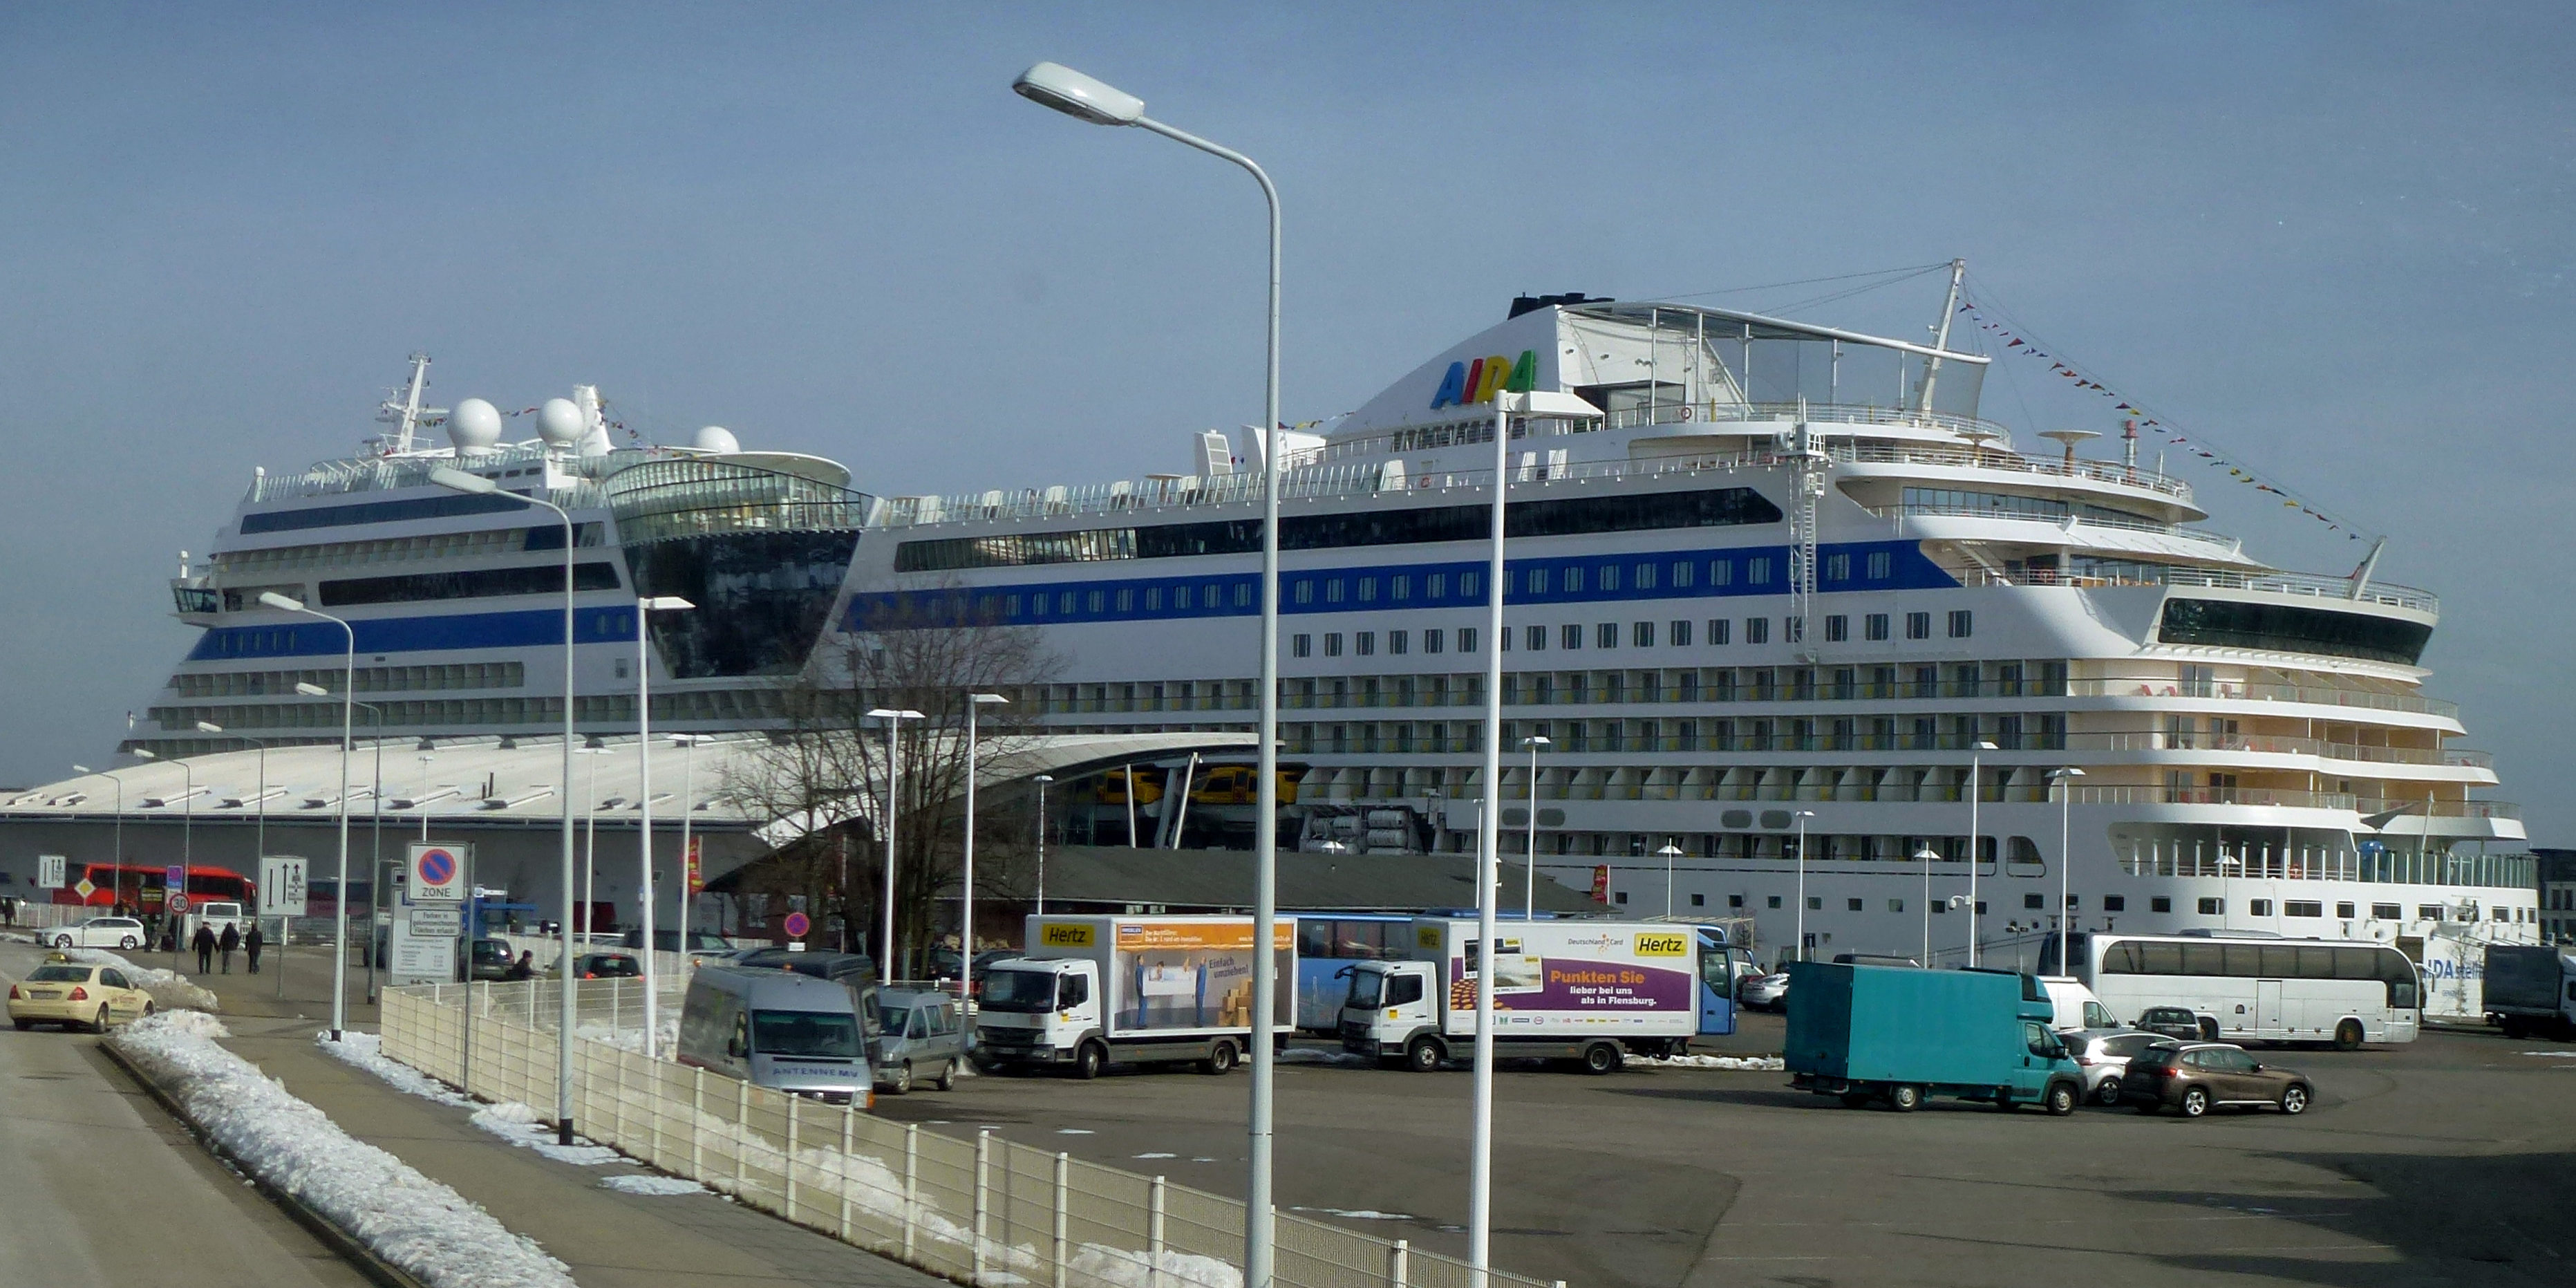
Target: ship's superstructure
1767 580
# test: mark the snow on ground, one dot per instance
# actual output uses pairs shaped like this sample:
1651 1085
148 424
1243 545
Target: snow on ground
519 1125
408 1219
1356 1214
366 1051
656 1185
170 990
1754 1063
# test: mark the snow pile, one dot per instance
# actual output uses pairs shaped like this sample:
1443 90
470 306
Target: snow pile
655 1185
408 1219
1356 1214
170 990
631 1037
1751 1063
366 1051
519 1125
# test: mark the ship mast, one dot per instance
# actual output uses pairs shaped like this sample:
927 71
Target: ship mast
1941 335
405 413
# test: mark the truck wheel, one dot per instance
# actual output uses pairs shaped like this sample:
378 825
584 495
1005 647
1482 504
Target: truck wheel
1424 1056
2195 1102
2348 1036
901 1084
1603 1057
2513 1027
1905 1097
2061 1099
1089 1059
1220 1059
948 1076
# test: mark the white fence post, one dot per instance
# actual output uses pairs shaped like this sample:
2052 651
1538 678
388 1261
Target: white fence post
911 1181
849 1130
741 1134
697 1123
1154 1238
1399 1263
983 1163
1063 1170
793 1120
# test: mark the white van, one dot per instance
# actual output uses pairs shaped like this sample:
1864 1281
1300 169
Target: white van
2075 1005
779 1029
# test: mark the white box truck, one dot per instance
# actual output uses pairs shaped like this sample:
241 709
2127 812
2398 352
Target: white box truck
1093 991
1587 990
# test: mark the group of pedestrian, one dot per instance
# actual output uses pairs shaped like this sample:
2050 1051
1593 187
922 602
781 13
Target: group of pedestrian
211 946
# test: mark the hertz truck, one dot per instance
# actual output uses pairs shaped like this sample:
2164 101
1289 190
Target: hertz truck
1593 991
1093 991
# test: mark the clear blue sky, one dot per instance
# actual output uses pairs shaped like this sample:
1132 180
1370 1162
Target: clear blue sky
2335 237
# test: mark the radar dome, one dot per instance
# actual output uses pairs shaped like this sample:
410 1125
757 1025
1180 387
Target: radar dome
474 426
559 423
717 439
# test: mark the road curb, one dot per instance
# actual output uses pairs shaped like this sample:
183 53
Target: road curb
351 1249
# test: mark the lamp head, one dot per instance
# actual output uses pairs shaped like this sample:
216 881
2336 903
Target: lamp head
2069 772
1044 778
145 753
311 690
456 480
1926 855
281 602
1983 745
1537 740
206 727
663 604
81 769
1076 95
987 699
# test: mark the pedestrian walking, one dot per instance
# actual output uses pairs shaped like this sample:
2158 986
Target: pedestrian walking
204 942
228 945
524 968
252 943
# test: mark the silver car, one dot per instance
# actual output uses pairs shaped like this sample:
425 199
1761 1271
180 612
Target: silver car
2104 1055
1765 992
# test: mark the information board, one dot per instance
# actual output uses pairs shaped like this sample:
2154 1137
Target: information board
283 890
49 872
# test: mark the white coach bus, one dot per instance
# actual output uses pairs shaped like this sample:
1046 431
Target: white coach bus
2346 992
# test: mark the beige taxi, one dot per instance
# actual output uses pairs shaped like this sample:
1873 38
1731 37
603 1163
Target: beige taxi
76 995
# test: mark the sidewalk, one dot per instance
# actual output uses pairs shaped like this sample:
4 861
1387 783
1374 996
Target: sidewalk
610 1239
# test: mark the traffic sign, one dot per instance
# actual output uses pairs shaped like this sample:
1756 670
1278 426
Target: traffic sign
282 887
179 902
438 873
797 924
174 877
49 872
84 889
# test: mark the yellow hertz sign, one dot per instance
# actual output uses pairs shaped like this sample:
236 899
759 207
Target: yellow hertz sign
1064 935
1660 943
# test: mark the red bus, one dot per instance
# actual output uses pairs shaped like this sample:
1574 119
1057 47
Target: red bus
140 887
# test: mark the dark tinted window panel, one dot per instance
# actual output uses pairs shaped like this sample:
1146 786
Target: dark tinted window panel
474 583
762 598
2289 628
419 507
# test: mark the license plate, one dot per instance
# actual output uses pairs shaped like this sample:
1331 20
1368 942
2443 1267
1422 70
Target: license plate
45 994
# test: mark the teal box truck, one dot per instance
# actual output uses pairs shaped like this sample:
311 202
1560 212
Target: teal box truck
1894 1035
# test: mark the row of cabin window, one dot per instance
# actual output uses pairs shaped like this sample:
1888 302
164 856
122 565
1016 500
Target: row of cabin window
1570 635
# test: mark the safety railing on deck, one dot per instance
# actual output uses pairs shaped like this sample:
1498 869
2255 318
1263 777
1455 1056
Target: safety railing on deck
982 1211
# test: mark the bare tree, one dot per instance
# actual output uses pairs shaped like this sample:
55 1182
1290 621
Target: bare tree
823 774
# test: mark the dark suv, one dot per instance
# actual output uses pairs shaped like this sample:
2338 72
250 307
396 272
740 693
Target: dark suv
2176 1022
2196 1077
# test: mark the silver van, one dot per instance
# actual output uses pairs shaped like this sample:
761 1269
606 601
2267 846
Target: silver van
773 1028
924 1037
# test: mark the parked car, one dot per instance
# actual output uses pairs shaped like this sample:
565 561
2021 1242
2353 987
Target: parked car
2104 1055
76 995
924 1037
489 958
99 932
2197 1077
1765 992
607 966
943 964
2176 1022
667 940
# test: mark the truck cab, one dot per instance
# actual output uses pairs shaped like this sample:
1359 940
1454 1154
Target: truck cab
1390 1012
1043 1010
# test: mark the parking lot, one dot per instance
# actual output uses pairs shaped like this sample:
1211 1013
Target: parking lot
2442 1162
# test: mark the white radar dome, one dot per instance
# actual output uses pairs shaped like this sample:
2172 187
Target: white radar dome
716 439
559 423
474 426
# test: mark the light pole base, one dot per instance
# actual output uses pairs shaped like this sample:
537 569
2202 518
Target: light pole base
563 1132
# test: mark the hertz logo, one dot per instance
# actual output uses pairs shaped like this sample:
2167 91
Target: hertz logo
1065 936
1653 944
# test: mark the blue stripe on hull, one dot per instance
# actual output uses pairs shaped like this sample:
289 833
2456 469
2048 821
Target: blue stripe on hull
527 629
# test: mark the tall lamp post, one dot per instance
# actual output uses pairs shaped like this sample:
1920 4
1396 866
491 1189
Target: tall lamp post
688 806
340 899
1085 99
1976 797
119 785
187 822
1042 780
2065 782
1529 865
1669 853
645 607
456 480
894 718
966 908
1803 816
1926 856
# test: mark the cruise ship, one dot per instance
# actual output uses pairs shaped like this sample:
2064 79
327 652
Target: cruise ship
1772 587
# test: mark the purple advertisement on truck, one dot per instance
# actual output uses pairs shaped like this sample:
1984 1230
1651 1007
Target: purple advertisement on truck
1621 975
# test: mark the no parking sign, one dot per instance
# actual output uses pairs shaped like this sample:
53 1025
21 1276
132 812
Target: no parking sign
438 873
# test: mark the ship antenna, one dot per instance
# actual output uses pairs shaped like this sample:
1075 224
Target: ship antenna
1941 335
405 414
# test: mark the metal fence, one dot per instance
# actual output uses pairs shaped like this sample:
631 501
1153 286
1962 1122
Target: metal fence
984 1211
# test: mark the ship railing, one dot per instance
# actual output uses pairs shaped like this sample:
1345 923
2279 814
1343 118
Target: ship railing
2070 524
2265 744
2319 695
2303 584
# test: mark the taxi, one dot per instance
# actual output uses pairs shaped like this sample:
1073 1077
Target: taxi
76 995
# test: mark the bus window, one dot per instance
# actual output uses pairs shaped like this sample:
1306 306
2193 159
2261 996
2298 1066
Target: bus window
1314 938
2202 959
2244 961
2157 959
2279 961
2316 963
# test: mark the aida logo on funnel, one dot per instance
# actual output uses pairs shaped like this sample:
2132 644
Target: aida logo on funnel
1480 380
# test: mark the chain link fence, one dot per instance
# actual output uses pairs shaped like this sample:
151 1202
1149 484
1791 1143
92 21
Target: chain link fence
983 1212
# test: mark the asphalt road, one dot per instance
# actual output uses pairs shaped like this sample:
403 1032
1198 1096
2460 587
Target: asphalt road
98 1187
2449 1161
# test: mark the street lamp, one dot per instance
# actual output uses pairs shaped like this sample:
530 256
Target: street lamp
966 909
1926 856
456 480
688 804
1976 797
348 719
1803 816
1085 99
187 825
1042 780
894 719
377 887
1529 867
119 785
589 843
2065 781
645 607
1669 853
